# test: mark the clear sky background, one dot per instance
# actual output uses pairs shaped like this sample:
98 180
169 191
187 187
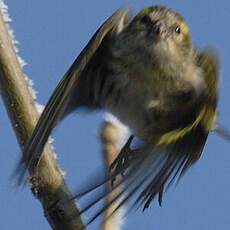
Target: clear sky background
51 35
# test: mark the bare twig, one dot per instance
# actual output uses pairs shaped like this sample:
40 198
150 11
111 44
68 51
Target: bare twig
50 186
110 137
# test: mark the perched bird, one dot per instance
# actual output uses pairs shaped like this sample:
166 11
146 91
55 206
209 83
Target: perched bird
146 72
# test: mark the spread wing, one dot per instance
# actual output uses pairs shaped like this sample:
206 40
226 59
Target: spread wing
60 104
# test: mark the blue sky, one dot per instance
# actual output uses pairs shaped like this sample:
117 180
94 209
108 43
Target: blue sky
51 34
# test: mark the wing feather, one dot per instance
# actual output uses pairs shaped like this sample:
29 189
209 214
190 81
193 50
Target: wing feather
58 103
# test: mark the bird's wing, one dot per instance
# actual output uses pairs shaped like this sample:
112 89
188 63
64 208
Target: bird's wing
156 166
58 102
153 169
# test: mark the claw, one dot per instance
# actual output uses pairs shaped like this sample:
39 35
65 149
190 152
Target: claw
121 158
120 164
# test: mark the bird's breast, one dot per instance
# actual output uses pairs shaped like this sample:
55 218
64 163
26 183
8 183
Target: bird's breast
133 104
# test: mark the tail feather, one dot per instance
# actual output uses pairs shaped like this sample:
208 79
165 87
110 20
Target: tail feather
157 167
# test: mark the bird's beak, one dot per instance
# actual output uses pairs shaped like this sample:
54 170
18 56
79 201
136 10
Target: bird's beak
159 30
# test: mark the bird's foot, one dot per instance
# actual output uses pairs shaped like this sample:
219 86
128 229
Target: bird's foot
123 160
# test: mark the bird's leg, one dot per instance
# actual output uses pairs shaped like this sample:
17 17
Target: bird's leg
123 160
123 156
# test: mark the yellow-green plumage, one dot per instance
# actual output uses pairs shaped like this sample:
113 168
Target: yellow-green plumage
146 72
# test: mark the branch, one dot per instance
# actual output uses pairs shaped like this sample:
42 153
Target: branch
21 109
110 138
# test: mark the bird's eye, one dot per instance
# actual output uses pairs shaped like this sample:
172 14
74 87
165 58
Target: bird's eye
178 29
146 20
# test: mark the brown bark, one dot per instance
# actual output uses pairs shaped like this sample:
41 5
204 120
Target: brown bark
21 109
110 137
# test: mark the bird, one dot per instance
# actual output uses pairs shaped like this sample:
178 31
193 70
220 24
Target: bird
145 70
